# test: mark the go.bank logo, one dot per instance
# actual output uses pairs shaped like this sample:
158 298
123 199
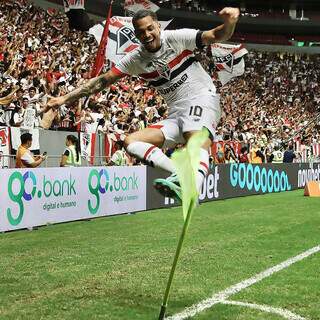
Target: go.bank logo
19 184
21 194
99 182
98 188
257 178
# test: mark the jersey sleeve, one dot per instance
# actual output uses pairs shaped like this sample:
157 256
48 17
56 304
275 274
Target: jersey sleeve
187 38
27 158
126 66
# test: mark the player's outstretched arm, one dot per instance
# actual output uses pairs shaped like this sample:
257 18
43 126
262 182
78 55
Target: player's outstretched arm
225 31
92 86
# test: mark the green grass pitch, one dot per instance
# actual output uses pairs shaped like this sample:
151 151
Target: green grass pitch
117 268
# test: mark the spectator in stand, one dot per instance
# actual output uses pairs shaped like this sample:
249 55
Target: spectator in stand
256 155
211 162
277 155
119 158
71 156
17 116
229 154
24 157
289 155
219 156
85 120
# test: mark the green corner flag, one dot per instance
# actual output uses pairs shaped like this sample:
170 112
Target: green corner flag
186 163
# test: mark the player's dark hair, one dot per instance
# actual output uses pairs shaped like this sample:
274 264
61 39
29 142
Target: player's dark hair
25 138
142 14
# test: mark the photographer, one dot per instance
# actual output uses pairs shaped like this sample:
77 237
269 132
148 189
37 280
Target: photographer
24 157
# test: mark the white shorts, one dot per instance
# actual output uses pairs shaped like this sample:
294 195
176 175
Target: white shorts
190 115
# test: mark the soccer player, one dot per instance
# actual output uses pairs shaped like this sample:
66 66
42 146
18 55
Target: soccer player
165 59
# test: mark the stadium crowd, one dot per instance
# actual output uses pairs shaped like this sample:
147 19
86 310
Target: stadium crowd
41 57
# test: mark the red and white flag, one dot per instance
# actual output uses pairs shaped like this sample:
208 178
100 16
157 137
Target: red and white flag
4 147
316 150
109 144
229 60
122 39
136 5
87 145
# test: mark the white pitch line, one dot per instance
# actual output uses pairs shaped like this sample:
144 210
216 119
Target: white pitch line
225 294
268 309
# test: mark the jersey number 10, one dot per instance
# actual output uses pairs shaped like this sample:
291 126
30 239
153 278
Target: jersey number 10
195 111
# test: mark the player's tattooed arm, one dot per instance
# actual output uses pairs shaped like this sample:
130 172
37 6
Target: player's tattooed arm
225 31
92 86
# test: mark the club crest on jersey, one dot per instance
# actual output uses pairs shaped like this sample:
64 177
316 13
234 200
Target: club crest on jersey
126 40
163 68
226 60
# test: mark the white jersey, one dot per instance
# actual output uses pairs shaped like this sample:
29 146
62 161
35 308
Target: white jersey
173 69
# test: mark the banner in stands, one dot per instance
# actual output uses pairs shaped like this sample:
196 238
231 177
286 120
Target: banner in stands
307 153
29 119
218 150
4 146
229 60
87 144
109 144
236 180
37 197
122 39
17 132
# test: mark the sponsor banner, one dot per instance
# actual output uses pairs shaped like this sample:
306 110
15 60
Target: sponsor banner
241 179
17 132
307 172
37 197
154 199
4 147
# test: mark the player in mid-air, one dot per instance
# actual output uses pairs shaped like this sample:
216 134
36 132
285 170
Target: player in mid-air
166 61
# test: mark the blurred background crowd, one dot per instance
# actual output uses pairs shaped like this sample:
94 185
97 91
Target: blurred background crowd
40 57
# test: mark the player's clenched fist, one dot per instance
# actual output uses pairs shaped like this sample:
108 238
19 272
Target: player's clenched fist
230 15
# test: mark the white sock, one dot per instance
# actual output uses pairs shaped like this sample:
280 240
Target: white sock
203 168
151 154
